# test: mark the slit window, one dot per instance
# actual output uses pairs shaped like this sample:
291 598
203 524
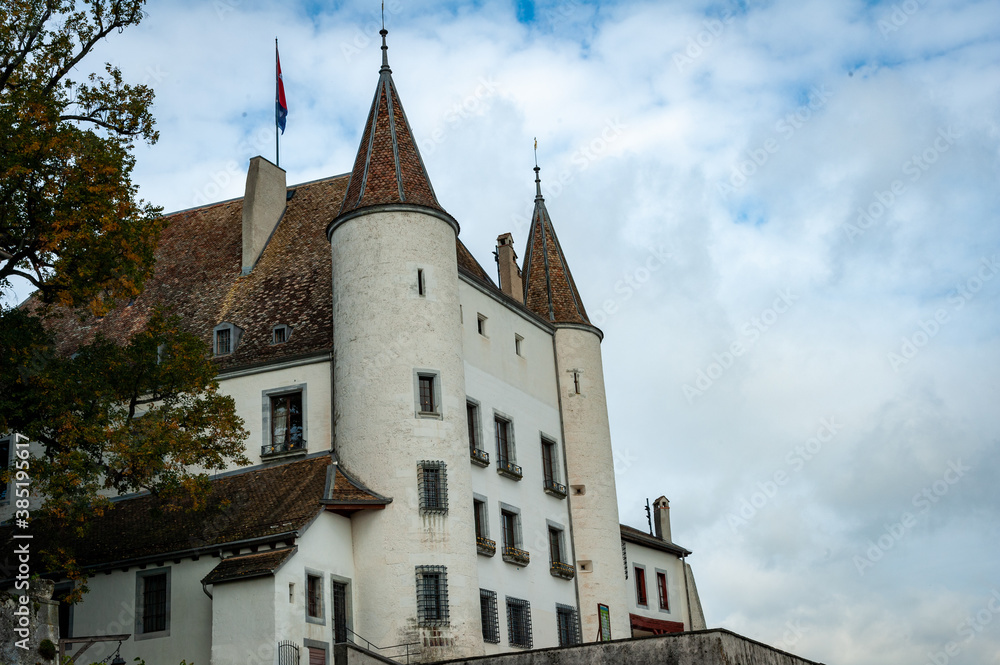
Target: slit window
420 282
517 345
481 324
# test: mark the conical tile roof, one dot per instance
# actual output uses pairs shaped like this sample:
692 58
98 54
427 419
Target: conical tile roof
388 168
549 289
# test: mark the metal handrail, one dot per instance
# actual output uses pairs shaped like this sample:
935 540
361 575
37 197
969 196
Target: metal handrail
374 647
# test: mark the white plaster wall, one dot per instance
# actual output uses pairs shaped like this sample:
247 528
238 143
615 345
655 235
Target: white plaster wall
109 609
383 331
590 463
533 372
653 560
534 583
247 391
243 625
325 548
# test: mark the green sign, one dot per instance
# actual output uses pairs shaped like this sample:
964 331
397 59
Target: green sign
605 617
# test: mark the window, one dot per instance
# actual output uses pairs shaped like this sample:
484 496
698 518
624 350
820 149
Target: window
640 586
472 415
314 598
432 485
518 622
152 602
226 337
339 590
489 615
280 334
481 324
556 554
286 422
510 522
550 469
432 595
505 448
517 345
420 282
568 625
661 588
482 521
576 382
427 394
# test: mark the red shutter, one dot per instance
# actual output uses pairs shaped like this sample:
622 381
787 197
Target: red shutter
317 656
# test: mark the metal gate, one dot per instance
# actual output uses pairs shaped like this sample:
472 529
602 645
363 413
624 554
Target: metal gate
288 653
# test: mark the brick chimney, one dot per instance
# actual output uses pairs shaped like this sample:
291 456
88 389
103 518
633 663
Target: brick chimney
661 518
510 273
263 206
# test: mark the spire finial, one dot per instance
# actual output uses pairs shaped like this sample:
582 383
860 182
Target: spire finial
538 180
385 51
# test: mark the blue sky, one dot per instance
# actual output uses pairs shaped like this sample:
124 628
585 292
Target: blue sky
834 160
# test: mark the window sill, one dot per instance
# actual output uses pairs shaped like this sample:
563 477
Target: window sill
152 636
485 546
434 415
479 457
272 452
563 570
516 556
558 490
509 470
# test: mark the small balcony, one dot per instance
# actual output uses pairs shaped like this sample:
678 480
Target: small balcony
280 449
485 546
555 489
516 556
509 470
563 570
479 457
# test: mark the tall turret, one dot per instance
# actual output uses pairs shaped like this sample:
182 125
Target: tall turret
399 393
550 292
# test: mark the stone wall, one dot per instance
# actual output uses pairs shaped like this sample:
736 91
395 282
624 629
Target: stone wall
706 647
24 626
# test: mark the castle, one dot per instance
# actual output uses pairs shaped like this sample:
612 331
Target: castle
433 466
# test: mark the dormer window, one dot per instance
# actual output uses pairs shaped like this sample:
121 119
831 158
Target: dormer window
226 337
280 334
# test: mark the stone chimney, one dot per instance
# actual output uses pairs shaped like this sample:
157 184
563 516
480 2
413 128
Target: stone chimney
263 206
661 518
510 273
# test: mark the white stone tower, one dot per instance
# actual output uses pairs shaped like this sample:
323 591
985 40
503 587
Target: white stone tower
550 292
399 393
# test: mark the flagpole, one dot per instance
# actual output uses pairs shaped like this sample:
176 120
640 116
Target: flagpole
277 157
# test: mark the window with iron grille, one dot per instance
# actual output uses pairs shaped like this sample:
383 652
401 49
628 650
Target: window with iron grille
518 622
280 334
489 615
152 602
568 625
223 342
432 485
432 595
314 597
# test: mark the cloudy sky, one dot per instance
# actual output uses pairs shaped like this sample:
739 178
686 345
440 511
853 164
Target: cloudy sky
782 213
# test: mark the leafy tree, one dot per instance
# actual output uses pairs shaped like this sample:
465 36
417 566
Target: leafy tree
70 222
146 415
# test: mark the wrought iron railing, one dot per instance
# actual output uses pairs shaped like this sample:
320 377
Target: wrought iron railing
563 570
485 546
480 457
278 449
555 489
371 647
516 555
508 469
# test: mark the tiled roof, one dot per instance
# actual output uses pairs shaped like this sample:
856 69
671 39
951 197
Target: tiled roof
388 168
638 537
345 495
197 276
255 504
549 289
245 566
